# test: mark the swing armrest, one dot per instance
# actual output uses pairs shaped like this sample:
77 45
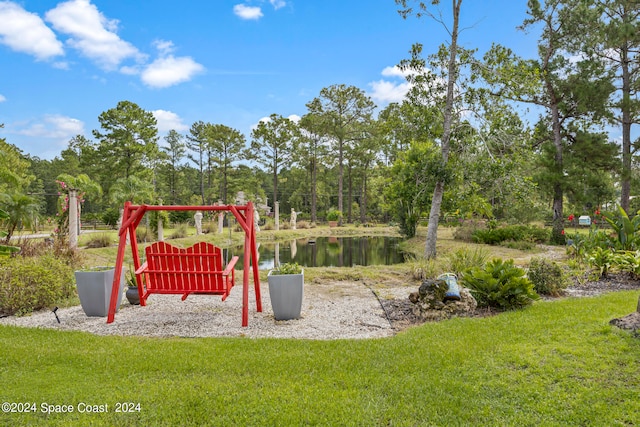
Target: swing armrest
230 266
142 268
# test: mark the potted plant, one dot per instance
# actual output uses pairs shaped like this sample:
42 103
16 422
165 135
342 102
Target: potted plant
94 290
334 216
132 288
286 289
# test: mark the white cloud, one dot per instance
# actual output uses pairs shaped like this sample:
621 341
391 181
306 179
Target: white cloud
393 89
54 126
164 47
386 92
25 32
277 4
247 12
2 98
92 33
168 120
168 71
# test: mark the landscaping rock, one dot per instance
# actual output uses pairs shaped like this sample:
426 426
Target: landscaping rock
429 303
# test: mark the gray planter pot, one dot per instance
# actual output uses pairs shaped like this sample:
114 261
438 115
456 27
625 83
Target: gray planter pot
286 292
94 291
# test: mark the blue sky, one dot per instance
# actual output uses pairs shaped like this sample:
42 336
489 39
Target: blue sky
62 63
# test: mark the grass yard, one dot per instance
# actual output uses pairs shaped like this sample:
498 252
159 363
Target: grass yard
555 363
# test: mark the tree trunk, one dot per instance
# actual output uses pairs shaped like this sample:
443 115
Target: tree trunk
350 194
557 233
340 175
313 191
625 193
438 193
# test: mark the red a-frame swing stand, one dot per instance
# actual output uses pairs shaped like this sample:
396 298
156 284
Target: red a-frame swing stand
133 215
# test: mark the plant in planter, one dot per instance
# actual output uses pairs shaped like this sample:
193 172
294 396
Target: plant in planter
286 289
94 290
334 216
132 288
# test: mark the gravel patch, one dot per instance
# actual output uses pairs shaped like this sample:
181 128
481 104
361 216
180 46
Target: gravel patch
337 311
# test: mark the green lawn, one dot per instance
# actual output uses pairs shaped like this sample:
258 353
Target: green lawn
556 363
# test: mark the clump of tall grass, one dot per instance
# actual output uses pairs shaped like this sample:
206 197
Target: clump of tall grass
179 232
99 241
466 258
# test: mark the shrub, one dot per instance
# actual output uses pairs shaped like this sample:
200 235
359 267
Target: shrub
421 267
513 232
547 277
601 259
303 225
466 258
99 241
111 216
500 284
179 232
28 284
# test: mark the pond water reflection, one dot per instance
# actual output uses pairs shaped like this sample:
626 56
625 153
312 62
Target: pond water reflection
329 252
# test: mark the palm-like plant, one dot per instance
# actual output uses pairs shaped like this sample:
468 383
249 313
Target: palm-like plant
4 249
626 228
20 209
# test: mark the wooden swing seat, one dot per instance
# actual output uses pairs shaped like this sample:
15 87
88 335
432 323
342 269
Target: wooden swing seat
194 270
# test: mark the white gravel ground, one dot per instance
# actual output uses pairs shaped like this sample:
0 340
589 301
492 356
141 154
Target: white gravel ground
335 311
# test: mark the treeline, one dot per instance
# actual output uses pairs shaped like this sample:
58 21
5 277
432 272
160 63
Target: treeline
345 154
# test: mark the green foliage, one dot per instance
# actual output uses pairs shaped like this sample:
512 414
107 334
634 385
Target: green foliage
111 216
625 228
99 240
601 259
547 277
422 268
466 258
179 232
334 215
500 284
287 268
6 250
628 261
154 216
28 284
511 233
411 183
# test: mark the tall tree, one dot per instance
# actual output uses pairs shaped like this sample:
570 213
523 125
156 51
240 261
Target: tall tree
615 38
197 143
308 153
128 138
175 152
228 147
345 113
572 92
272 144
449 116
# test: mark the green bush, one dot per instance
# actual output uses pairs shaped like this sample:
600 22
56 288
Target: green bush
516 233
500 284
28 284
601 259
99 241
179 232
466 258
547 277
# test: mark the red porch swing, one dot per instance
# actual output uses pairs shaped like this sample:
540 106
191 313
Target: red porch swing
191 280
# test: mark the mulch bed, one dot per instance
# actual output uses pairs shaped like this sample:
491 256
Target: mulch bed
400 313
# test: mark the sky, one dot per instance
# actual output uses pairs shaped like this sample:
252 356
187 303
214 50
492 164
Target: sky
63 63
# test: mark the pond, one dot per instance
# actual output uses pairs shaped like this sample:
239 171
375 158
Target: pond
329 252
